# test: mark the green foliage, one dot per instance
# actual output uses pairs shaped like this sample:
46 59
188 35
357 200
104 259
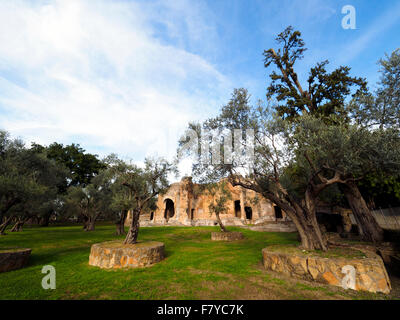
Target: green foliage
92 200
236 114
82 166
220 195
29 181
324 93
350 150
144 184
381 190
381 108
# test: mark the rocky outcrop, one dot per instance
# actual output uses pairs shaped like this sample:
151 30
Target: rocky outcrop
226 236
117 255
13 258
365 273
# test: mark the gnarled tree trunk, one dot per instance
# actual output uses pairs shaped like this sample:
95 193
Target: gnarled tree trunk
120 225
131 237
4 225
368 227
310 233
302 214
221 225
44 220
18 225
89 223
85 221
4 222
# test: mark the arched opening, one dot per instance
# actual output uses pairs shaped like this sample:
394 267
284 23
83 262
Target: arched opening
169 209
331 222
278 212
237 208
151 216
249 213
192 214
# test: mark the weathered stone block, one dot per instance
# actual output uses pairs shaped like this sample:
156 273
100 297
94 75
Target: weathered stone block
369 271
226 236
13 258
117 255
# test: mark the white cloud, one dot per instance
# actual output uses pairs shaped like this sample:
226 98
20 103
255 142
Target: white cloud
100 72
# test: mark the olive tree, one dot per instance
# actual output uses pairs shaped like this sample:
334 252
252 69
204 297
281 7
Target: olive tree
380 110
220 196
262 171
28 182
382 107
143 185
347 153
325 94
90 201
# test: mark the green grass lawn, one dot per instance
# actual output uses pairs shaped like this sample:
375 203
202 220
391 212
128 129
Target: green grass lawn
195 268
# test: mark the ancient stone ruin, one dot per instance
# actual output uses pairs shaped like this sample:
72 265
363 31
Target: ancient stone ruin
185 204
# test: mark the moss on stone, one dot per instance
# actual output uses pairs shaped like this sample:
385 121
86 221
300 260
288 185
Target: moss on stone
333 252
139 244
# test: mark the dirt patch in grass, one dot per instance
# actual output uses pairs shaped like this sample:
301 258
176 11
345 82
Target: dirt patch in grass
172 291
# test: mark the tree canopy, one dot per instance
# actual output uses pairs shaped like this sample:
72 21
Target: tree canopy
323 94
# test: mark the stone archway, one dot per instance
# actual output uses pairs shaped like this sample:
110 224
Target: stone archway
169 211
249 213
237 208
278 213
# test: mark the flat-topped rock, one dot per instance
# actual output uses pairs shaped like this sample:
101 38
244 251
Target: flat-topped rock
116 255
226 236
353 270
275 227
13 258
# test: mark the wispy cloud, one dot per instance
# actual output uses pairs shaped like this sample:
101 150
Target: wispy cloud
100 73
126 76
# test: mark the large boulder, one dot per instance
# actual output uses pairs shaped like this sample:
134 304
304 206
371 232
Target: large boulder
361 271
116 255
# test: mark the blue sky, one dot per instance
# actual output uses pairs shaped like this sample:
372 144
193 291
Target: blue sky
126 76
